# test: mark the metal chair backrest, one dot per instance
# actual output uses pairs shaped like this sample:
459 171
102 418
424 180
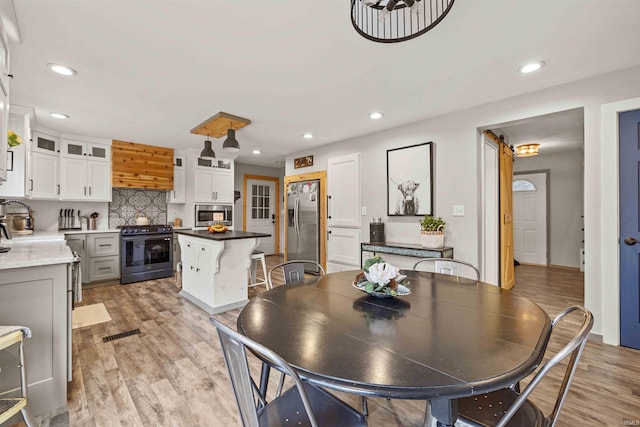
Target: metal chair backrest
450 266
573 348
245 389
293 271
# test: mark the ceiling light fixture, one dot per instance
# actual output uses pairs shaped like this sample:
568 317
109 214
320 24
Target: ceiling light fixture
527 150
231 143
256 151
376 115
207 152
530 68
61 69
59 116
390 21
307 136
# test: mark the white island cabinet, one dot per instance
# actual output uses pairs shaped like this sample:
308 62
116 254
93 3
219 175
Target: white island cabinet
215 268
34 293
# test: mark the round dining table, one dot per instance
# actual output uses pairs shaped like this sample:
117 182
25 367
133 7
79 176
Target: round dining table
450 337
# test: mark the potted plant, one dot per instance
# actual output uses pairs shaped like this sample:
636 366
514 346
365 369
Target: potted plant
432 234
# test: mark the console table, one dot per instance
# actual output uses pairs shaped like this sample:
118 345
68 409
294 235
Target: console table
405 249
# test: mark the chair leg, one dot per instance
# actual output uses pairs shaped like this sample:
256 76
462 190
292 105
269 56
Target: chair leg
26 416
264 271
428 419
365 407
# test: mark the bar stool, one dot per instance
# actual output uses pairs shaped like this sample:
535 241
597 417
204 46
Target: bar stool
255 256
10 406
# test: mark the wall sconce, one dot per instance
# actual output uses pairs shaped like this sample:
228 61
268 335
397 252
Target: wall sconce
527 150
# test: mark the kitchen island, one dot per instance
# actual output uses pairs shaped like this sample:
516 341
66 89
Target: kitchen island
215 267
34 293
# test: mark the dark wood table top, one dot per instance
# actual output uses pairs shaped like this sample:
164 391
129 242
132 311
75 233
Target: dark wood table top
227 235
451 337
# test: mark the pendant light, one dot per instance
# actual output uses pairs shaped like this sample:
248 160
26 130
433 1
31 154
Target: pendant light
231 143
207 152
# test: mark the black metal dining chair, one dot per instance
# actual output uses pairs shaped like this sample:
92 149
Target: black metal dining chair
301 405
293 271
508 407
449 266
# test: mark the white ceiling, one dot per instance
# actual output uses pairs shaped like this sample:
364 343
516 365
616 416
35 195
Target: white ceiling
149 71
554 132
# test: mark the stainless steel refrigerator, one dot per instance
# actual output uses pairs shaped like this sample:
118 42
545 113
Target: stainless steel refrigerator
303 222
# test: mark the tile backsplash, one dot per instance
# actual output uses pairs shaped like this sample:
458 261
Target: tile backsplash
127 202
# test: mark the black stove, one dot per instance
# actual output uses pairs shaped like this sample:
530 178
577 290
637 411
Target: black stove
145 229
146 252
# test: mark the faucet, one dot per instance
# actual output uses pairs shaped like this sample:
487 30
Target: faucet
3 225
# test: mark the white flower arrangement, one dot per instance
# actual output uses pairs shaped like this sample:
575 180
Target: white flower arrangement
381 278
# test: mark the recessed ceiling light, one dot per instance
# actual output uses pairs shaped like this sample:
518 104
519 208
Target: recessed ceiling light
376 115
61 69
59 115
530 68
256 151
307 136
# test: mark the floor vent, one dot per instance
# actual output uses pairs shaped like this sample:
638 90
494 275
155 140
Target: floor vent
121 335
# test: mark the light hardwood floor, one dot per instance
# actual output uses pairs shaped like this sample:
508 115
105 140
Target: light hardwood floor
173 374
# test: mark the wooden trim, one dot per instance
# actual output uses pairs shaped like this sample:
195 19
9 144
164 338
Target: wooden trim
507 277
322 176
277 207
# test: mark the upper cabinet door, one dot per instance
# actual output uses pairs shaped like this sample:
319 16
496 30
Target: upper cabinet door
43 177
98 152
43 143
343 191
73 149
4 125
223 186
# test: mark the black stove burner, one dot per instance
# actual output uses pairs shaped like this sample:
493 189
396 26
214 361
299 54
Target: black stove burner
145 229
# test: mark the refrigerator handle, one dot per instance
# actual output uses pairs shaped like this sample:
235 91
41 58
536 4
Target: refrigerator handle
328 198
296 215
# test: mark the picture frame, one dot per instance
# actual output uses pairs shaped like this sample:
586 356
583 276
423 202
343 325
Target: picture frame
9 161
303 162
410 180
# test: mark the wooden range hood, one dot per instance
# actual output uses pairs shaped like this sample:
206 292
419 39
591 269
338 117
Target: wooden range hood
141 166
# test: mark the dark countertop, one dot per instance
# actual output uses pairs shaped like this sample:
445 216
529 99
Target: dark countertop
227 235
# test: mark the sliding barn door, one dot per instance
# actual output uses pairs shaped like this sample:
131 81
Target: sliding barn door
506 217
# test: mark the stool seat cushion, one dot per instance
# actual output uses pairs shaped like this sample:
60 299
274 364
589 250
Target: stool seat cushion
257 252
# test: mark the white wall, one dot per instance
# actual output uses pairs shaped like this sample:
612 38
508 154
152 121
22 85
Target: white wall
457 175
566 175
240 170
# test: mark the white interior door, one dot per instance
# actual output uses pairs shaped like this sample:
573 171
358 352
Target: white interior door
261 214
490 244
530 218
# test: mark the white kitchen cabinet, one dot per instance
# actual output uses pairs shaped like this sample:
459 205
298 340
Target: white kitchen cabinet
179 192
44 143
214 272
343 249
4 127
197 266
343 191
213 186
85 171
4 102
89 150
43 179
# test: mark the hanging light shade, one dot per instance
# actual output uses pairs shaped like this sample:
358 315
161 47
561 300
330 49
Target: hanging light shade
390 21
231 143
526 150
207 151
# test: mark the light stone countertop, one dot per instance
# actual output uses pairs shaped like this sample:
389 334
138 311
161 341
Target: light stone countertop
26 253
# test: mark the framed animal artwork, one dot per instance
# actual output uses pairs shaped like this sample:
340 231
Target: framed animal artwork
410 180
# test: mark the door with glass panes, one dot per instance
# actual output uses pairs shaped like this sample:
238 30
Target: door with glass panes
261 212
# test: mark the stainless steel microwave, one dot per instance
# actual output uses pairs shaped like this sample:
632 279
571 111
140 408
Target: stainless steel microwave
213 214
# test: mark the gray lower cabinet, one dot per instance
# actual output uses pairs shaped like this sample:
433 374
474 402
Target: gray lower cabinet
37 297
100 254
